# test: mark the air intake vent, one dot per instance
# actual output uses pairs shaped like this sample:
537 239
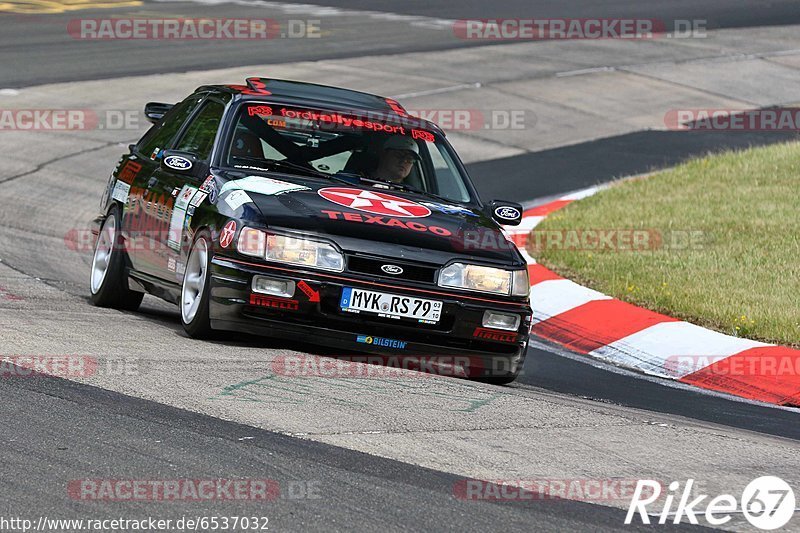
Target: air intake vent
386 268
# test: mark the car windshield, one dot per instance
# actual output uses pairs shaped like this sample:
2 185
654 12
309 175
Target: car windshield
376 149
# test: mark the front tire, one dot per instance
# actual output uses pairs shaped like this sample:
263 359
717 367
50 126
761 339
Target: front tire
108 283
196 288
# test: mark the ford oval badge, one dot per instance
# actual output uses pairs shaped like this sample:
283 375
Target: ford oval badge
507 213
177 162
394 270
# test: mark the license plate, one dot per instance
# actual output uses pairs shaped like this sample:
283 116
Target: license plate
390 305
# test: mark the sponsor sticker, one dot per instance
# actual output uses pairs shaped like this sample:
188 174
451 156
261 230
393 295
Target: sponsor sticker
210 187
176 223
380 341
129 172
313 296
177 162
378 203
236 199
262 185
424 135
273 303
388 221
228 231
121 191
494 335
450 209
198 198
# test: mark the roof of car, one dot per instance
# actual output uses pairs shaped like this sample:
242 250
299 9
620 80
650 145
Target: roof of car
315 94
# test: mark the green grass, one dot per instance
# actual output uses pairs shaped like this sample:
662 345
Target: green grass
742 277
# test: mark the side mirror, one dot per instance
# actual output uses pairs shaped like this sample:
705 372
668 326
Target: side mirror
155 111
506 213
185 163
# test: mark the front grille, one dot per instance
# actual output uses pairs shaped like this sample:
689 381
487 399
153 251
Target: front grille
372 266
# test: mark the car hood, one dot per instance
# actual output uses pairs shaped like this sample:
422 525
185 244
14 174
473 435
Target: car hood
361 219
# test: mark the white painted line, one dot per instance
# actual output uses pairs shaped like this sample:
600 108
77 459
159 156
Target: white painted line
581 72
440 90
9 92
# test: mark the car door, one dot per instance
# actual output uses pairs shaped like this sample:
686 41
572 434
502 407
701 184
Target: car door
142 221
178 187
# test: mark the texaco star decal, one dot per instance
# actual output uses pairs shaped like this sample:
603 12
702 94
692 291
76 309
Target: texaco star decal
226 237
378 203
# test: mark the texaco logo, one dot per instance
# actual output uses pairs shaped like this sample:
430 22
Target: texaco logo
374 202
226 237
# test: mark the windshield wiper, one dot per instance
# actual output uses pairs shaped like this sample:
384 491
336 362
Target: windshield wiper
409 188
282 163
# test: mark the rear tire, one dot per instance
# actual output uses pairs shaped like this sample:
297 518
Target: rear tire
108 284
196 288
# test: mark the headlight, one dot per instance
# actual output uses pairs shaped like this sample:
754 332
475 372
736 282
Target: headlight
289 249
485 279
304 252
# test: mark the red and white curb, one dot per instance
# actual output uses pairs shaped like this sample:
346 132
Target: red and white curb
591 323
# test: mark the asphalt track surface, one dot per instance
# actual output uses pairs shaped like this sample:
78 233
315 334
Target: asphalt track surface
145 440
719 13
56 430
36 48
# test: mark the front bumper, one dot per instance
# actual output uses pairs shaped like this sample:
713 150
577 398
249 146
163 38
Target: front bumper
459 332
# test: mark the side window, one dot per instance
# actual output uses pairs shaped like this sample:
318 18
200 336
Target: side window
450 185
160 135
200 135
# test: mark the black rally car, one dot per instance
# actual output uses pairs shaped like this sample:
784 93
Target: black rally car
317 214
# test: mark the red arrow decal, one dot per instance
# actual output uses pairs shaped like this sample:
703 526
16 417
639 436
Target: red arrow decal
313 296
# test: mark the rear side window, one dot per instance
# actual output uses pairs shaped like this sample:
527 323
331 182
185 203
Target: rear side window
160 135
200 135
